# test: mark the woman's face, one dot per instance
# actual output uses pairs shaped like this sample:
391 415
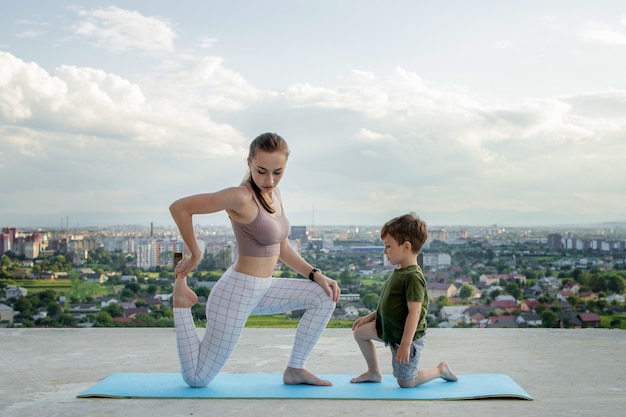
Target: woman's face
267 169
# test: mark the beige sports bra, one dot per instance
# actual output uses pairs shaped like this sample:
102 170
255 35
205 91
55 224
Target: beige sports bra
263 235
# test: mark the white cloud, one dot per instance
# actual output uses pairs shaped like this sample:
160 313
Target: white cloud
446 151
609 37
603 33
368 136
24 86
83 138
504 45
32 29
389 135
121 30
87 101
207 42
30 34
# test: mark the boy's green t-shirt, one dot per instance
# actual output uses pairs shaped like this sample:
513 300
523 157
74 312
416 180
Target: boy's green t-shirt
404 284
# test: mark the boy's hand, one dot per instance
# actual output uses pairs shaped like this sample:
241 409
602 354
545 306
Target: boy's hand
363 320
402 354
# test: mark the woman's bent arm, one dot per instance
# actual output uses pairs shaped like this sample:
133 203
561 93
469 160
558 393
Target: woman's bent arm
231 200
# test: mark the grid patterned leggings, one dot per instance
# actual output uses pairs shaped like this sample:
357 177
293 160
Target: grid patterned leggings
232 300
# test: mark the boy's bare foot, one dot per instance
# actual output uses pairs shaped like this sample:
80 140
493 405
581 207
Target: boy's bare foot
368 377
446 372
293 376
183 296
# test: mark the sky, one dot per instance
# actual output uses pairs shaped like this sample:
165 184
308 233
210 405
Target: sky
465 112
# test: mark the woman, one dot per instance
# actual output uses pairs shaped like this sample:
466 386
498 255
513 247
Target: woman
261 229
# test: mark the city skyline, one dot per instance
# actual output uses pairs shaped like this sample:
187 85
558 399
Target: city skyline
467 114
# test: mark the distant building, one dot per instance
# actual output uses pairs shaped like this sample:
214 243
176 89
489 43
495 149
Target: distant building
15 292
436 290
299 233
349 297
8 239
155 253
494 279
554 241
448 311
6 314
437 260
437 234
128 278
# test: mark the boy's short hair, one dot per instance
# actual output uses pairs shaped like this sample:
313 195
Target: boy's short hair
407 228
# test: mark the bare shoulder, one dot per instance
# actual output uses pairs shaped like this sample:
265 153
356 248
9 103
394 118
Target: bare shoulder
241 206
235 197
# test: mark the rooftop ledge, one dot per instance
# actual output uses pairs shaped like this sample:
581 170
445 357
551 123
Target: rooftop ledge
568 372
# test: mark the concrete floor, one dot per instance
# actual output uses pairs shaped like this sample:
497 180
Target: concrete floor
568 372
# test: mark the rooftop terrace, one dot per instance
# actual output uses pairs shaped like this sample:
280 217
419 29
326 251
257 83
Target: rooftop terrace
568 372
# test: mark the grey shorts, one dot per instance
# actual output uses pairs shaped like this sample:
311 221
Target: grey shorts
407 371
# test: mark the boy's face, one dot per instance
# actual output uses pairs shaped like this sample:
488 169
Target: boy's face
395 252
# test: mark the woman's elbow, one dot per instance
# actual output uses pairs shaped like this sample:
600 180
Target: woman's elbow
176 209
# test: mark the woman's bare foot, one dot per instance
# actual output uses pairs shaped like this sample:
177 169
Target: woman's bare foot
446 372
183 296
368 376
294 376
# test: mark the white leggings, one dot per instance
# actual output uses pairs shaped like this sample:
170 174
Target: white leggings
232 300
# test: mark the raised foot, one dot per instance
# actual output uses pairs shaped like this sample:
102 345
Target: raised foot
293 376
446 372
368 377
183 296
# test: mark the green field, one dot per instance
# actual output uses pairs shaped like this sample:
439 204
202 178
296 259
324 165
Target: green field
605 321
282 321
71 289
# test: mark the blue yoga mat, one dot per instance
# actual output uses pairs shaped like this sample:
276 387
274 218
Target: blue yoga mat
265 386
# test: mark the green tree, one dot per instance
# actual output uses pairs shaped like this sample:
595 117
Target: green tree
144 320
103 319
67 320
133 287
198 312
583 278
26 322
24 305
114 310
615 284
347 277
151 290
597 283
202 291
370 300
512 288
549 319
466 291
53 308
443 301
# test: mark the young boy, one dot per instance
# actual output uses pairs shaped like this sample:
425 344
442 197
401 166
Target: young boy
400 318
